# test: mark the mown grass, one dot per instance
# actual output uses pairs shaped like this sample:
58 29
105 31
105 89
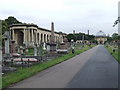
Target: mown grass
23 73
30 51
114 54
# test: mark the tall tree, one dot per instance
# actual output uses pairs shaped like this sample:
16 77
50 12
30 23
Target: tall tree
11 20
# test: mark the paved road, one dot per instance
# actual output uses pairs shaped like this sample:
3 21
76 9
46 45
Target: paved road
95 68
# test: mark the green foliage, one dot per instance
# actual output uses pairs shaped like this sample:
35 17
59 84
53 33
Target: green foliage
30 52
4 26
94 41
11 20
115 54
115 36
7 22
71 36
79 36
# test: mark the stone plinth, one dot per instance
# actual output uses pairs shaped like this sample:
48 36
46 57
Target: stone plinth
12 48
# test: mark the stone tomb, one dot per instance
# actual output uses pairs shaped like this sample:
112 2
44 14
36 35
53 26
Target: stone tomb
64 47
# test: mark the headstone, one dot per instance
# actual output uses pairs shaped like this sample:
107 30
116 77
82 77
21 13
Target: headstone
39 51
63 47
35 50
48 47
44 46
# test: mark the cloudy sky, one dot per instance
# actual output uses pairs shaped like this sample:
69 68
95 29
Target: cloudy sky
68 15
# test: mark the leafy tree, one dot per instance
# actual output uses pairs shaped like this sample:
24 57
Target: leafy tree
79 36
4 26
115 36
11 20
71 36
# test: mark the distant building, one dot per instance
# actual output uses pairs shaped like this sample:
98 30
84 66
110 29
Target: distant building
30 34
81 41
101 37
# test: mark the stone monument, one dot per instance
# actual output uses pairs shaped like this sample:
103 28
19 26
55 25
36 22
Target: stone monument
52 40
63 47
35 49
6 36
12 48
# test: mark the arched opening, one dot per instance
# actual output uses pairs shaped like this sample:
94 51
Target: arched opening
44 37
20 36
101 42
47 38
38 38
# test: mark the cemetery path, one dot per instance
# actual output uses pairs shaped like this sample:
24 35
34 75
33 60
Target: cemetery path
94 68
101 71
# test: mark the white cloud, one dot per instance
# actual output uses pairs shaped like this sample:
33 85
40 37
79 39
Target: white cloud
68 15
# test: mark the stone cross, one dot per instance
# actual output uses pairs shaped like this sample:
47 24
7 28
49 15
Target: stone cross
7 40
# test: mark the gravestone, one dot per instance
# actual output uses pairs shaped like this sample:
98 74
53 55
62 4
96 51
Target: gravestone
48 47
35 49
63 47
21 50
44 46
7 56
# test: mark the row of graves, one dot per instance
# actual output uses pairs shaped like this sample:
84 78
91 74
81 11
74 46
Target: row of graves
13 57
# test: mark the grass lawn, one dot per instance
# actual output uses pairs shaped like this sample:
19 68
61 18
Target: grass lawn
114 54
23 73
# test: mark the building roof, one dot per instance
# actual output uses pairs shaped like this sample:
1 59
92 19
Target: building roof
100 34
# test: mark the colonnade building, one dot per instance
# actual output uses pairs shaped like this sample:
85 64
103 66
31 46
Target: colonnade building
30 34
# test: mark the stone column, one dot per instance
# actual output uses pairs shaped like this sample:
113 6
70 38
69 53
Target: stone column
39 38
24 36
13 34
36 37
43 38
29 35
32 35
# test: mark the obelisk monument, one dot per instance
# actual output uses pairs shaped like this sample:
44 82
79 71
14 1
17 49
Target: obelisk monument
52 40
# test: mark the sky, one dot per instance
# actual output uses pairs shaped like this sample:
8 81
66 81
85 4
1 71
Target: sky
67 15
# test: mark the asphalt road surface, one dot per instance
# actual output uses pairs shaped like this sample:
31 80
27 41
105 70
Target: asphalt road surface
94 68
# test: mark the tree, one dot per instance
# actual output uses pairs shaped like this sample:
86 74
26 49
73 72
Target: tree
70 37
115 36
4 26
11 20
